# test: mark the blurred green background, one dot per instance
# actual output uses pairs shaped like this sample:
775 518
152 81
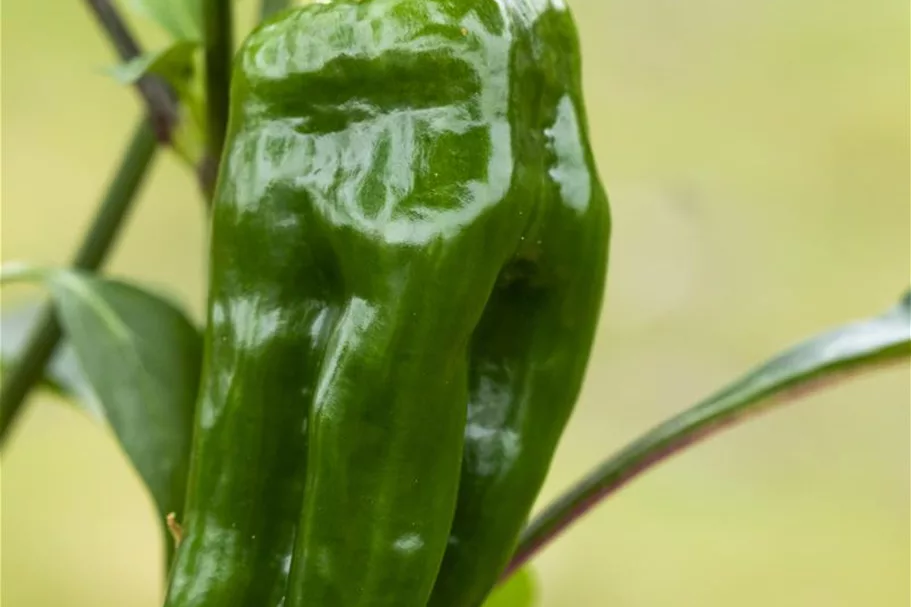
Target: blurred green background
757 156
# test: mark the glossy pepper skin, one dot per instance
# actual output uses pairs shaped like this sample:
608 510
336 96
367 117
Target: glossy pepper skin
408 251
529 353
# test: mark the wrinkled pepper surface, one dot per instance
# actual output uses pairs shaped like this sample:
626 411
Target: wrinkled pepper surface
408 252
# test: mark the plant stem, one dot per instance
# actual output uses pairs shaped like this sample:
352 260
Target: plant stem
217 34
116 204
270 7
852 349
157 95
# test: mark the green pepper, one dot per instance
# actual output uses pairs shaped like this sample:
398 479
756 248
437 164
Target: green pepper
408 248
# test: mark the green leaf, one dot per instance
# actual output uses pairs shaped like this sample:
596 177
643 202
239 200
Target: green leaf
142 357
175 64
182 19
519 591
836 354
63 375
181 66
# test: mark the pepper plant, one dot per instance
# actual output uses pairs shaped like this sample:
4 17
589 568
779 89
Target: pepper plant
354 427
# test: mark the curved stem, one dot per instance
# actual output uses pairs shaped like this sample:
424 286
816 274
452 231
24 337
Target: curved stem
817 362
115 206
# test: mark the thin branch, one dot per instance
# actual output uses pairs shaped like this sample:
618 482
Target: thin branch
270 7
158 97
218 23
818 362
41 344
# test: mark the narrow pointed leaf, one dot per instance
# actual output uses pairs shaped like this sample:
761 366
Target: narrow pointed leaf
175 64
845 351
180 65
